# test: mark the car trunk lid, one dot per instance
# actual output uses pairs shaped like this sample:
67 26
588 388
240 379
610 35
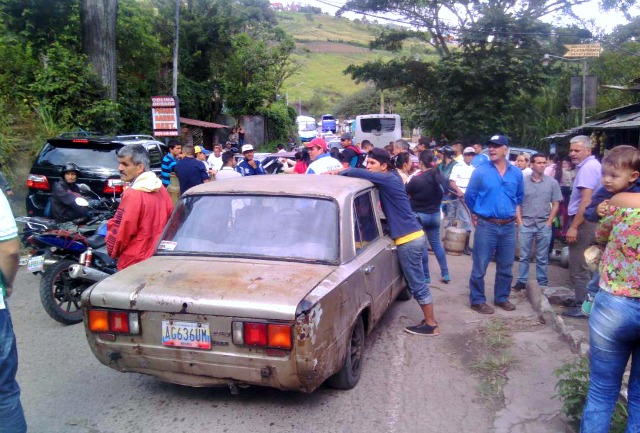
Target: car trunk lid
211 286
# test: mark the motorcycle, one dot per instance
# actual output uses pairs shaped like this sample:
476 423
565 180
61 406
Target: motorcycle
58 249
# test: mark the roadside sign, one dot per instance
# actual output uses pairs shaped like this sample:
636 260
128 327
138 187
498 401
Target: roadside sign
164 115
583 50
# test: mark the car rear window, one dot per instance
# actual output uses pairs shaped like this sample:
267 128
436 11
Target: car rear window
378 125
280 228
84 155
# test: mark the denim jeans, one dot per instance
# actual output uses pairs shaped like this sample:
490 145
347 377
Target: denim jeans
492 238
431 225
464 217
579 272
614 336
594 285
542 237
410 256
11 414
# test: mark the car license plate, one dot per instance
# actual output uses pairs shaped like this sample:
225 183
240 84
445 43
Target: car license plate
35 264
186 334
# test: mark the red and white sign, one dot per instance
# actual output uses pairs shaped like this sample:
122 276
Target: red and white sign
164 115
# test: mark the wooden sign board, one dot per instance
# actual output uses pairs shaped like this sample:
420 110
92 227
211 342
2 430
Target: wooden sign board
583 50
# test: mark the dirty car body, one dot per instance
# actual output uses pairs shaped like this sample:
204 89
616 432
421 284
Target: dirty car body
263 280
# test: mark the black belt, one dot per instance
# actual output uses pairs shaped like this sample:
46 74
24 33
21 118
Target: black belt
498 221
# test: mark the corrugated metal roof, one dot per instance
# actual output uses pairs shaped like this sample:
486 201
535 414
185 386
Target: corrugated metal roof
202 123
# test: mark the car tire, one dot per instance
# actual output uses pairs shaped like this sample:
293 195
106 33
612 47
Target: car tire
60 294
349 375
405 294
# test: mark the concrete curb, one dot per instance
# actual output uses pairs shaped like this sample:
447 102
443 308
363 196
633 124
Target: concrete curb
578 341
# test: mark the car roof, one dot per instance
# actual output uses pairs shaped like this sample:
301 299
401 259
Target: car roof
335 187
117 139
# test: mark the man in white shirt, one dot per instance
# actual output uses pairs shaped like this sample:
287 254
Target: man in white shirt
11 413
215 159
458 181
322 161
228 169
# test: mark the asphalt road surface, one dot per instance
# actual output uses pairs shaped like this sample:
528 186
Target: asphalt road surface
409 383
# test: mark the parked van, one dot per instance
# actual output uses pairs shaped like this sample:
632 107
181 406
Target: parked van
328 123
379 129
307 130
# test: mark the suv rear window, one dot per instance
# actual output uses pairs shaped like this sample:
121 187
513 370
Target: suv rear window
86 155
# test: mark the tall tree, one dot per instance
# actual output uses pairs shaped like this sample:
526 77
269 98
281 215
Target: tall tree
98 19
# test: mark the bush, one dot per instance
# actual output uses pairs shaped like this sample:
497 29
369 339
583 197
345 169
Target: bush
572 389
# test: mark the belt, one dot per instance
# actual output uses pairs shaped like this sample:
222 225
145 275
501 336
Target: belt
499 221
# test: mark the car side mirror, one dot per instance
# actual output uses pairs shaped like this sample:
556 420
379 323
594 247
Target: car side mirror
80 201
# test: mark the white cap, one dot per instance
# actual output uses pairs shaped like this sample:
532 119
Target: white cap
469 150
246 147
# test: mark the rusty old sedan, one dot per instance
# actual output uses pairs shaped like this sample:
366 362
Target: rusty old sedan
264 280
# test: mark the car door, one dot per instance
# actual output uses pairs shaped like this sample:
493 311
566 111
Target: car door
375 254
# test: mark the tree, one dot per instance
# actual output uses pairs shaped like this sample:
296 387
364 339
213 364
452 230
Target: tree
98 19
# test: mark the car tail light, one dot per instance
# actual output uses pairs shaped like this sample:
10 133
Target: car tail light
113 186
116 322
279 336
269 335
80 140
38 181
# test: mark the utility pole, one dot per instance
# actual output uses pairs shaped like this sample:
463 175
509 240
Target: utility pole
175 50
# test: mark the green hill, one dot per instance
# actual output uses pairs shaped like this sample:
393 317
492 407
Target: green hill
325 46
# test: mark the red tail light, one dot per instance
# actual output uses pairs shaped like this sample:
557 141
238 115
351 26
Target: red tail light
255 334
113 185
38 181
80 140
116 322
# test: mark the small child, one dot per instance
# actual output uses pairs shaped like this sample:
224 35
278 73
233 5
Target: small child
620 173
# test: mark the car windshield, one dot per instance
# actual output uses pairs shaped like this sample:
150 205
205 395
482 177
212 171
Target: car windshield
85 156
273 227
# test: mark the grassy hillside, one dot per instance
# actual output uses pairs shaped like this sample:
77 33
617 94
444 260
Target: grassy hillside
326 45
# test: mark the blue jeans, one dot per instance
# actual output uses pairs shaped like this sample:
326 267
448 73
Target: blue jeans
492 238
410 256
464 217
542 237
594 285
614 336
431 225
11 414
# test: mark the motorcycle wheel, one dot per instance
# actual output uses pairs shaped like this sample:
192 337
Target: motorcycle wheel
60 294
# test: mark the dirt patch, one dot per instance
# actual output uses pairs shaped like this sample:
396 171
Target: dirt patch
331 47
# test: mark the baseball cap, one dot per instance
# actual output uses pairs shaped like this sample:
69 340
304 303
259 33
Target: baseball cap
247 147
447 150
380 155
498 140
469 150
317 142
200 149
346 136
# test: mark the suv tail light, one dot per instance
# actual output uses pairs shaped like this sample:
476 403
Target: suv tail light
269 335
114 321
38 181
113 186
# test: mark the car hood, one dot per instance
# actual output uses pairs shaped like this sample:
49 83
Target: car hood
214 286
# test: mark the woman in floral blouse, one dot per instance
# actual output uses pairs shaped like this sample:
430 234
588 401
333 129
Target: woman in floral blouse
615 317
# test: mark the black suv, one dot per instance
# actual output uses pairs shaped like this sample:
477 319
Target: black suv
96 158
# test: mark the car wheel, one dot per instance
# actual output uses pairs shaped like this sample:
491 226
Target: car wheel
349 375
60 294
405 294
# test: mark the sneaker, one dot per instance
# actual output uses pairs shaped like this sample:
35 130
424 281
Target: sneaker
576 313
446 279
586 306
506 305
520 286
483 308
423 329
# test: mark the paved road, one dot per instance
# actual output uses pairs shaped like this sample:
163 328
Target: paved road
409 384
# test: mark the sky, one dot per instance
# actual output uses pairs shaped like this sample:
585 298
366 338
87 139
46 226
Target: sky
589 10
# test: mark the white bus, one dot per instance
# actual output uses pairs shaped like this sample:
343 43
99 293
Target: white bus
307 129
379 129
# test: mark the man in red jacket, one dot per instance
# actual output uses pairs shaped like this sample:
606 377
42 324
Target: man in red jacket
144 210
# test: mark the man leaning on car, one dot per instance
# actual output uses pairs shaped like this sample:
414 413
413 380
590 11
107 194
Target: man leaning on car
143 212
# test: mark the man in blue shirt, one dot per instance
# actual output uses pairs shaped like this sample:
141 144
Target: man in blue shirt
189 170
404 229
169 161
494 193
480 157
249 166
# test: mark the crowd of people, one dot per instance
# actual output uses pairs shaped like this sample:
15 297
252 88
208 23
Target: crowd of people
476 187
